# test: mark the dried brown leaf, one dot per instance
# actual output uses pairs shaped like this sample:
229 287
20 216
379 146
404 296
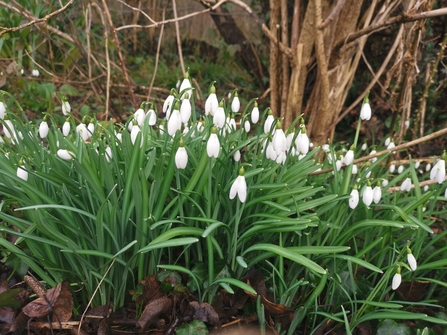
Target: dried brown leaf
204 312
42 306
153 310
63 306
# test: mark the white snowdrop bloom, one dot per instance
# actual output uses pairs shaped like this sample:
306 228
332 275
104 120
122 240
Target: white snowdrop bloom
185 87
22 72
22 173
231 124
213 144
387 141
66 107
237 156
338 164
219 116
108 154
326 148
239 187
211 103
9 130
43 129
428 167
438 171
364 146
83 131
281 158
426 188
407 124
417 164
247 126
270 153
390 146
255 113
139 116
174 122
181 156
373 152
400 169
384 183
365 112
354 169
167 104
392 168
235 104
289 139
368 174
91 128
279 140
397 280
134 133
406 185
412 261
119 137
35 73
445 193
268 122
302 142
349 157
2 110
186 130
367 196
152 116
354 198
377 194
185 110
66 127
65 154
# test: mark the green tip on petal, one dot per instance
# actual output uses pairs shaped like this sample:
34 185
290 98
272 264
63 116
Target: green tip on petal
444 156
181 142
21 162
269 112
221 103
352 147
213 130
177 105
278 125
235 93
256 103
355 187
398 270
241 171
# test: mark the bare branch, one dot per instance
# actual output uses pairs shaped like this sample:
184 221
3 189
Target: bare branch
337 9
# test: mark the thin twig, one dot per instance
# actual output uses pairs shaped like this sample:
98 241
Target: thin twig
333 14
35 21
138 10
157 56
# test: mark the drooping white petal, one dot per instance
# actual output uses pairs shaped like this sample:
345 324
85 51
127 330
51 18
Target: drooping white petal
268 123
22 173
213 146
255 115
412 261
174 122
66 128
237 156
302 143
349 157
247 126
365 112
167 105
83 131
134 133
185 87
65 154
377 194
279 141
211 104
406 185
43 129
367 196
185 110
235 104
354 198
2 110
219 117
181 157
397 280
108 154
152 117
66 108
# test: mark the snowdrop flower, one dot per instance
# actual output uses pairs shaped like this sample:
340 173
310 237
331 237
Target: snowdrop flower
392 168
91 127
365 112
66 108
302 141
65 154
43 128
268 121
326 148
239 187
406 185
338 163
390 146
213 144
9 130
289 139
428 167
377 193
270 153
397 279
247 126
407 124
411 260
400 169
134 133
185 87
281 158
83 131
384 183
211 103
185 109
139 116
108 154
364 146
21 171
255 113
426 188
237 156
417 164
167 105
66 127
387 141
151 115
219 116
368 174
175 121
354 198
349 157
438 170
367 197
235 104
279 139
2 110
181 156
354 169
231 124
35 73
445 193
